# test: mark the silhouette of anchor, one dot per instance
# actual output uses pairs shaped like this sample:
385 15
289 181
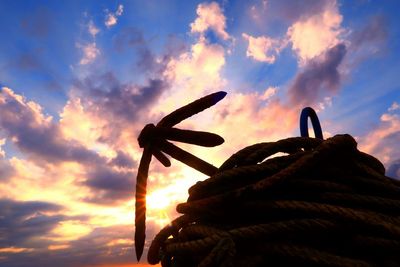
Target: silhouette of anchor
153 139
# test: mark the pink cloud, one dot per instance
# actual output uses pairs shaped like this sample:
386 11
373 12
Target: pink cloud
382 142
263 48
112 17
312 35
90 52
210 16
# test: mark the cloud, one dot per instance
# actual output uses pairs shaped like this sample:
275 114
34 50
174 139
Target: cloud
147 62
92 29
123 160
89 53
109 186
210 16
193 74
320 76
395 106
118 102
38 23
382 142
313 35
6 169
102 245
263 48
394 169
22 223
291 11
268 93
34 133
374 31
28 62
112 17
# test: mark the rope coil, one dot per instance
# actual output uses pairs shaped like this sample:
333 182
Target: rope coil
290 210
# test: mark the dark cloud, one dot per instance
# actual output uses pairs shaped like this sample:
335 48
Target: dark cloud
123 160
390 141
38 23
374 31
107 97
97 248
23 222
109 186
27 225
127 38
132 38
394 169
6 170
28 62
40 138
291 11
319 77
33 61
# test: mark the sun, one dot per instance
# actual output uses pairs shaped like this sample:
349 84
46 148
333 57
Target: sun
158 200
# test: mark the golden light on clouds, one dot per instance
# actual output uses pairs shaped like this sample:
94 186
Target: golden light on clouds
70 230
58 247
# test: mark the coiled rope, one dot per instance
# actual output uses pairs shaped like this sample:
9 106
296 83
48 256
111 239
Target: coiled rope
323 204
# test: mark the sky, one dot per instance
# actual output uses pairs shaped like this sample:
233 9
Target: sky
80 79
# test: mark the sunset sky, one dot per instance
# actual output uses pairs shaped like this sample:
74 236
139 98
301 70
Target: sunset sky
80 79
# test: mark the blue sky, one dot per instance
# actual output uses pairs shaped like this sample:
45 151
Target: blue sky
79 80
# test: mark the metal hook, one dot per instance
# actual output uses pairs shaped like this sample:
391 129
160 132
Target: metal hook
310 113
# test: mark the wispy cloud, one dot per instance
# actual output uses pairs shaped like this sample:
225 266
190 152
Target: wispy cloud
92 29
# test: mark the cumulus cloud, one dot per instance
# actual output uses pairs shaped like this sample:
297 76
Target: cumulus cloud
112 17
382 142
34 133
320 76
89 53
263 48
311 36
210 16
198 69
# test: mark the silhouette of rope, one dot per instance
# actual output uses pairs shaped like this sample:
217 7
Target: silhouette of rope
323 204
